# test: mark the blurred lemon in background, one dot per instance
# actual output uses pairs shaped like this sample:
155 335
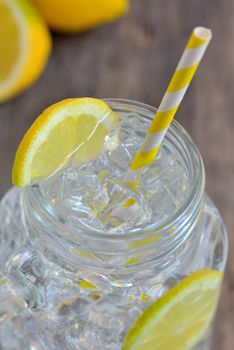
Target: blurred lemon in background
80 15
25 45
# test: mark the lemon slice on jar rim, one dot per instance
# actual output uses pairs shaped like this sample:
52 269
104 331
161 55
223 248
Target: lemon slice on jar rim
70 129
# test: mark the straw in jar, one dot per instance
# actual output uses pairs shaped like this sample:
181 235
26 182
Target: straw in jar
181 79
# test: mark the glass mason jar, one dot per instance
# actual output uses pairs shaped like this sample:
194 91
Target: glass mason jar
63 288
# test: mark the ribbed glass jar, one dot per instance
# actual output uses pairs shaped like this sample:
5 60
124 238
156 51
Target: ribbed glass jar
67 288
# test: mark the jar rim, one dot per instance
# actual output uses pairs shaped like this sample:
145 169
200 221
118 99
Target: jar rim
194 196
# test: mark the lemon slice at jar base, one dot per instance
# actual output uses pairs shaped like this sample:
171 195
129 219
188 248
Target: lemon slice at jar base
25 45
73 128
179 319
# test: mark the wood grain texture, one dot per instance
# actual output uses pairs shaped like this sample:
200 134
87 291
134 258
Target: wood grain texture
134 58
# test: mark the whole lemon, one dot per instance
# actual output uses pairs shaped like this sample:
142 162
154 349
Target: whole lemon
80 15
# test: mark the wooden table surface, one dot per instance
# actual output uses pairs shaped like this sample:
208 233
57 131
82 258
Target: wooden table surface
134 58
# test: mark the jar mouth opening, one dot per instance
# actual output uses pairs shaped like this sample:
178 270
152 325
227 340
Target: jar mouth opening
188 151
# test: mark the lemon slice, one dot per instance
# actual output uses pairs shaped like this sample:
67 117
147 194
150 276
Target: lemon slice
70 129
25 45
180 318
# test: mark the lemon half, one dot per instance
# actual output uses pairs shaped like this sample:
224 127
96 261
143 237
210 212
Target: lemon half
25 45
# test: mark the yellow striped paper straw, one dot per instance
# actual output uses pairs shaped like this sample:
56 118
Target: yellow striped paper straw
188 64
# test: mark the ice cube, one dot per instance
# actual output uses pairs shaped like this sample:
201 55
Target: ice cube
132 122
112 140
124 207
129 143
164 185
